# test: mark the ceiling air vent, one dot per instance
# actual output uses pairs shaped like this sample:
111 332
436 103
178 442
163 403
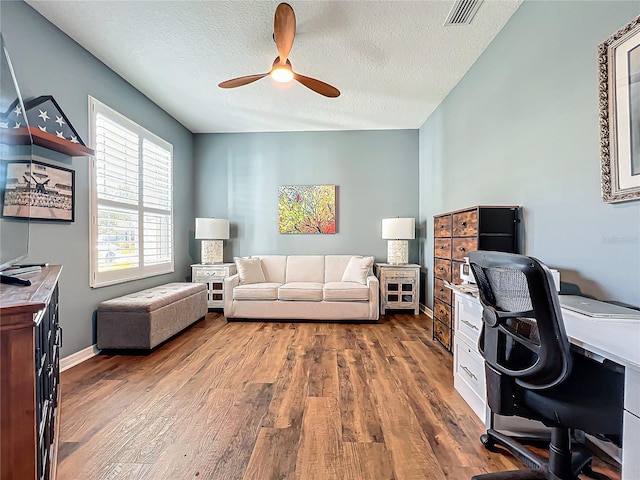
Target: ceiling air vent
462 12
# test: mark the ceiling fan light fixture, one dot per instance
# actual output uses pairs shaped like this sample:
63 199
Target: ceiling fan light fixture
282 74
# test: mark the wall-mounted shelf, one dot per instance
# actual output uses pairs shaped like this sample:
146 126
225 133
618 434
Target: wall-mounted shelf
50 141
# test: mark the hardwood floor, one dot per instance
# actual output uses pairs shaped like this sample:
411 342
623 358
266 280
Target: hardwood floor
275 401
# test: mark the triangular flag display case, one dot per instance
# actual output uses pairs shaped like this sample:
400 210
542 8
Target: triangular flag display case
49 126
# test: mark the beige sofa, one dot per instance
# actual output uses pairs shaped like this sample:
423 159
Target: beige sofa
304 287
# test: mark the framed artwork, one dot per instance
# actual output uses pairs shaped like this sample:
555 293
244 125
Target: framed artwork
307 209
38 191
619 92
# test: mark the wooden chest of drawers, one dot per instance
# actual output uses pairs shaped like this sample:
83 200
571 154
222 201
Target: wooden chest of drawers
455 235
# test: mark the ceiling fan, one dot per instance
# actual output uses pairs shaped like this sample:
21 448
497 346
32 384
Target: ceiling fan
284 31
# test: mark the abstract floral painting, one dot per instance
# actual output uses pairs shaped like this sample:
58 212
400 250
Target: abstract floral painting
307 209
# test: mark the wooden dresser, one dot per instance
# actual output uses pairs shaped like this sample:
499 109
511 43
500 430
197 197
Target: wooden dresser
455 235
30 338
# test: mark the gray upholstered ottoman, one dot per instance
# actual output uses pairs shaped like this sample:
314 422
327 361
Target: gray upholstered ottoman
147 318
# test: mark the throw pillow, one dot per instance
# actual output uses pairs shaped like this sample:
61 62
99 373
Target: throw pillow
357 270
249 270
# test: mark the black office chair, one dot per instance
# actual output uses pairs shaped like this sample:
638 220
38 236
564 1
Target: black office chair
532 373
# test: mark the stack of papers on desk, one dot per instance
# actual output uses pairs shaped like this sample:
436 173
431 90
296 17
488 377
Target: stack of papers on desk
595 308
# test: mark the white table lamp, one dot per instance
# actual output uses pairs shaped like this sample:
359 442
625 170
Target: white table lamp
398 231
212 231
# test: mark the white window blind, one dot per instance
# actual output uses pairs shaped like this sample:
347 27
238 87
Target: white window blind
131 194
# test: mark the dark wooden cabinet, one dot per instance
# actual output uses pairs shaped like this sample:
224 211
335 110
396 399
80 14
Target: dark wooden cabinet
455 235
30 339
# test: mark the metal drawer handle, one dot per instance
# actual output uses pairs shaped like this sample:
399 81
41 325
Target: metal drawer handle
462 249
469 372
464 224
441 290
470 324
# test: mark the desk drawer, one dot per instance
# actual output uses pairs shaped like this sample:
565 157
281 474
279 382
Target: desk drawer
468 317
469 367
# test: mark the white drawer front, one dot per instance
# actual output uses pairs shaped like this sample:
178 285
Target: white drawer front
468 317
207 273
470 367
632 392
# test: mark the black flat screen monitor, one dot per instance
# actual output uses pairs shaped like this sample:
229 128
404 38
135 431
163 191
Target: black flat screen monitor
15 147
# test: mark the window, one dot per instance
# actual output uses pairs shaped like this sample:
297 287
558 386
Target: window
131 227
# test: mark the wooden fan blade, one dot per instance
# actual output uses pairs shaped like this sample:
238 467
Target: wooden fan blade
284 30
240 81
317 86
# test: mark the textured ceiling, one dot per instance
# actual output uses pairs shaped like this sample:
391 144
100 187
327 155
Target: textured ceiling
393 61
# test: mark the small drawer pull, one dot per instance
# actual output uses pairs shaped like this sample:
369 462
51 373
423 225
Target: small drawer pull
464 224
441 269
441 290
469 324
468 372
462 249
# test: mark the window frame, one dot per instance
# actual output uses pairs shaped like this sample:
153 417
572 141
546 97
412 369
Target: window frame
101 279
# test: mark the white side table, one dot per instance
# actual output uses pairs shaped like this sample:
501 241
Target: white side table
399 286
213 275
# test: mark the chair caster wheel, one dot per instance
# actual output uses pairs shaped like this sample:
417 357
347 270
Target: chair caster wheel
487 442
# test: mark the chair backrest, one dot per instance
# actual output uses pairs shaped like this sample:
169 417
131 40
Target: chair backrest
523 335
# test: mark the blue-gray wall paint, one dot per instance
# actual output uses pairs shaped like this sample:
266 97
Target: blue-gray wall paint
237 176
47 62
522 128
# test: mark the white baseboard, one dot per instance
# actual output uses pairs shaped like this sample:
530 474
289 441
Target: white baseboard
426 310
78 357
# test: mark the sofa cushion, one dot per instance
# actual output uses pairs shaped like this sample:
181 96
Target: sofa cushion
345 292
357 270
307 291
305 268
273 267
334 266
249 270
256 291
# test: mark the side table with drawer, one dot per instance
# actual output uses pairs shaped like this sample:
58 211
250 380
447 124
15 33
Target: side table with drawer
399 286
213 275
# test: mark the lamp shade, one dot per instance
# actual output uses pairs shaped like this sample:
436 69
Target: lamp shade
212 229
398 228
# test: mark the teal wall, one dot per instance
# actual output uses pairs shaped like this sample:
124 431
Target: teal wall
238 174
522 128
47 62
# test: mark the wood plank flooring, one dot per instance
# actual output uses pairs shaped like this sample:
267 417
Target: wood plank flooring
275 401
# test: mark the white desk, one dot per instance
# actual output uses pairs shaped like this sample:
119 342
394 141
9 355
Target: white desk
615 339
619 341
